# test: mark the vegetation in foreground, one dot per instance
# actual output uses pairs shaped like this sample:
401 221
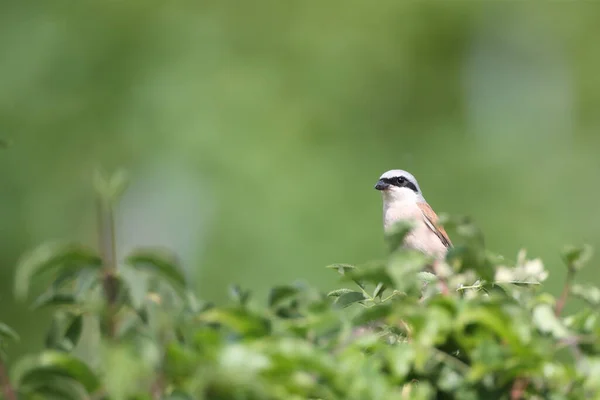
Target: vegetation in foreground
131 328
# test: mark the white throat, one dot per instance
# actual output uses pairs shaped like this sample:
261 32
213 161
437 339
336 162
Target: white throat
400 204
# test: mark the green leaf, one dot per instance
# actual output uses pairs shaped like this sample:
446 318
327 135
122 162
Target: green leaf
52 364
341 268
280 293
50 385
588 293
239 295
339 292
54 299
7 333
238 320
547 322
349 298
403 268
111 188
577 257
401 358
373 273
65 331
57 257
379 289
394 235
160 262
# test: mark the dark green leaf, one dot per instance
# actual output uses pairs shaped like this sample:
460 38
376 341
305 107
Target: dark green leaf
577 257
160 262
54 299
7 333
281 293
50 385
56 364
349 298
379 289
65 331
52 257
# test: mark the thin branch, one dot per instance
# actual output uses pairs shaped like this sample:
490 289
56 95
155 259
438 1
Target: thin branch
106 236
560 304
7 389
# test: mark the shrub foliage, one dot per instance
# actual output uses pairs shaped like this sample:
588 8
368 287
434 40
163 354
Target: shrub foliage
482 327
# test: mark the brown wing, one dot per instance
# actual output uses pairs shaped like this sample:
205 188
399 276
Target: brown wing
431 220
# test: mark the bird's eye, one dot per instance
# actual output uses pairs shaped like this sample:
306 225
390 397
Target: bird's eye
400 180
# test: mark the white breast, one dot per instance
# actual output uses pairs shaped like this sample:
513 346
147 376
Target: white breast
421 238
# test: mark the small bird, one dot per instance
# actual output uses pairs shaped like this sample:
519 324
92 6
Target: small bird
404 201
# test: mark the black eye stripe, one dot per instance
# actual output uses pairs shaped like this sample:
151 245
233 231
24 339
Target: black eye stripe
401 181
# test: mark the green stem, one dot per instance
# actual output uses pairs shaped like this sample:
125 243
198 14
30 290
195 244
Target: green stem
106 226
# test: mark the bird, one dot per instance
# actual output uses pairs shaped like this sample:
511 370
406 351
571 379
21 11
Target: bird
404 201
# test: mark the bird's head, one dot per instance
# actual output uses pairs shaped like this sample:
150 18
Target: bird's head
398 185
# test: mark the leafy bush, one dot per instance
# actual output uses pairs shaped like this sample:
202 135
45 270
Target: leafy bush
481 328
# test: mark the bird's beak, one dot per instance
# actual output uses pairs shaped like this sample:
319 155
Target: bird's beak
381 185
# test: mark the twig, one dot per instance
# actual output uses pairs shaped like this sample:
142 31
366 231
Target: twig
560 304
518 388
106 226
7 389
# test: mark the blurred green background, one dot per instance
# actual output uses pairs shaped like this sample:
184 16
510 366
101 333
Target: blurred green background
255 131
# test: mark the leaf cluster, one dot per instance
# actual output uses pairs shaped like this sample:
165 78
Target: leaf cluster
480 327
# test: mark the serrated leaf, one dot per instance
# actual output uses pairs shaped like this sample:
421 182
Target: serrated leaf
341 268
349 298
239 320
280 293
52 257
7 333
160 262
577 256
339 292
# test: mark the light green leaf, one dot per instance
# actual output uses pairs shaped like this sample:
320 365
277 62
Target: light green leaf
588 293
341 268
239 320
52 257
339 292
577 256
547 322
